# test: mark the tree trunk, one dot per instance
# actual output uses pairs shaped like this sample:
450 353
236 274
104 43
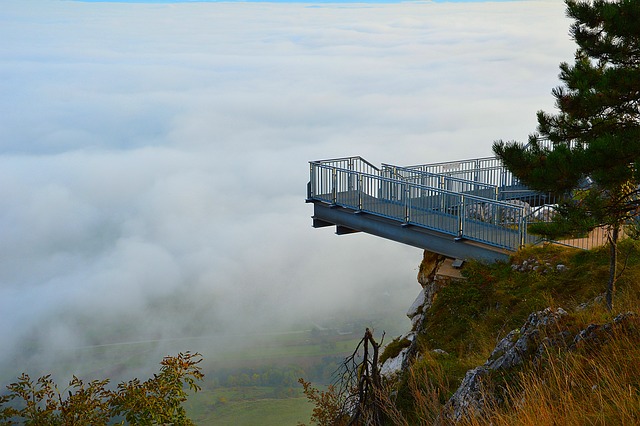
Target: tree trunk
368 408
613 263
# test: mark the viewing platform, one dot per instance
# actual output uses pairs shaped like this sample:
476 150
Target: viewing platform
461 209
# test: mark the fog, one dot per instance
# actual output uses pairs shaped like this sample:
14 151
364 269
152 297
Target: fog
154 157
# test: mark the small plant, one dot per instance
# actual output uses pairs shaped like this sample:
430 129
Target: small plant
393 349
328 410
158 400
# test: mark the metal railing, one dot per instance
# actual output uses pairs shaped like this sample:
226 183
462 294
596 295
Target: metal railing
478 199
489 171
462 215
356 164
442 181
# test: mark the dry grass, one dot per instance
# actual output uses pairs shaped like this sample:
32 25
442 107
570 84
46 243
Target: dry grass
597 385
593 386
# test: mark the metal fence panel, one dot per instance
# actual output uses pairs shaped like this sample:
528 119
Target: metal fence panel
474 199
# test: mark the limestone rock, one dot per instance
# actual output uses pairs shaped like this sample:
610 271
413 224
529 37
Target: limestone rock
518 346
525 344
596 334
522 343
429 267
469 399
394 365
416 307
423 302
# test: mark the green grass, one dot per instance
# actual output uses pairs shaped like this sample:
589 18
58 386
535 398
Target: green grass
469 317
248 406
295 349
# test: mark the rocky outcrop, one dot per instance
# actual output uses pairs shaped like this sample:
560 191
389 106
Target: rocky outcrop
431 284
394 364
483 387
423 302
471 397
598 334
540 266
428 279
429 266
540 331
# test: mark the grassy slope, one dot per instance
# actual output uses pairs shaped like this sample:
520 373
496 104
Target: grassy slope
469 317
466 320
247 406
587 387
257 405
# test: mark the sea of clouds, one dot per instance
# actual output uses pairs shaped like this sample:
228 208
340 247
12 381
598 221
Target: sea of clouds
154 157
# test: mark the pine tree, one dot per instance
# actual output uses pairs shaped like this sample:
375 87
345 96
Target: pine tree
591 154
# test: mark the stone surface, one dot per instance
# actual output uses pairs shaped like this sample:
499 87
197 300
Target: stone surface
522 343
519 345
429 267
540 266
469 398
393 366
416 307
525 344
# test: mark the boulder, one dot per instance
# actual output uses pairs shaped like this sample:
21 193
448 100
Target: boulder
520 345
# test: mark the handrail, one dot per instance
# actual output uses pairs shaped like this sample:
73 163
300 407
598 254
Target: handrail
343 159
416 173
497 215
457 162
420 186
425 206
485 170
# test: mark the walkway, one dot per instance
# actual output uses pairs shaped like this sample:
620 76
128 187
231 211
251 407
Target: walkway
463 209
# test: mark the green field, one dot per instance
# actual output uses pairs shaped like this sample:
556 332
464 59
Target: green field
247 407
288 356
250 379
291 356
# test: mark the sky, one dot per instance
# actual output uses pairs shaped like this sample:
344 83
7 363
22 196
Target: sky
154 157
286 1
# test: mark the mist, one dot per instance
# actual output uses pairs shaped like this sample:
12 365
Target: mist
154 158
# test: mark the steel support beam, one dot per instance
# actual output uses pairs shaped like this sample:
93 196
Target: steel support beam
347 221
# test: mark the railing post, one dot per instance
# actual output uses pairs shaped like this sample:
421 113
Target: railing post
350 176
359 192
392 194
523 230
461 216
312 183
477 173
334 183
406 202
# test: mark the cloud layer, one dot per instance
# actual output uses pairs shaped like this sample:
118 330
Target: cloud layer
153 159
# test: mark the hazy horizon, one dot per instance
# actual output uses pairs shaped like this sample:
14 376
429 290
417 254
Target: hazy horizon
154 156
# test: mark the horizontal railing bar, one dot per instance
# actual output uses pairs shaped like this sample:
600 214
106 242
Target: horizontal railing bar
434 174
445 163
424 187
392 192
335 160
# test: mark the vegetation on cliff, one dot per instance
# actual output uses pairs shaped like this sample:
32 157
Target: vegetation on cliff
591 160
158 400
591 384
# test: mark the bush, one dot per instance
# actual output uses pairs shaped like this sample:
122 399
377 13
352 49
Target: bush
158 400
